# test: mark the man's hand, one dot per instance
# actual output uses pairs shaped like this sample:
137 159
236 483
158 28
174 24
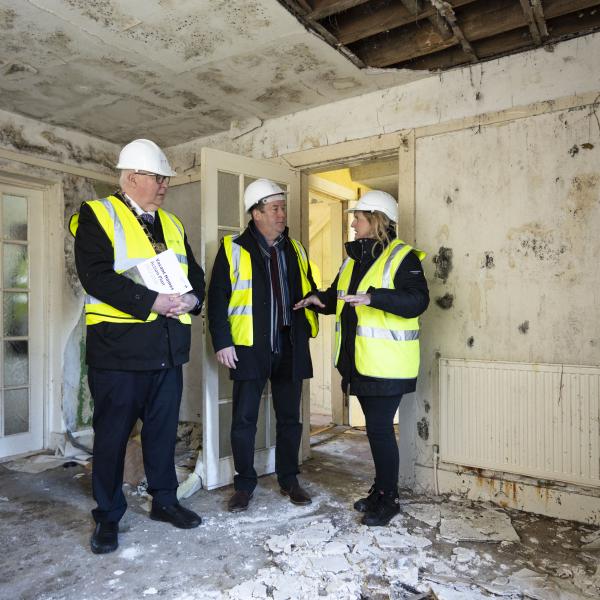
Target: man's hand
163 304
182 304
312 299
227 357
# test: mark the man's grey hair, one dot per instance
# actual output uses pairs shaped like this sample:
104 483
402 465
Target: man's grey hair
123 177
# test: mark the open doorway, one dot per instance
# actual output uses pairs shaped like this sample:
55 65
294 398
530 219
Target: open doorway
331 193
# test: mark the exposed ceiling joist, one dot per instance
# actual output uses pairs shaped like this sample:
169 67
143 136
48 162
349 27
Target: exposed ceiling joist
414 7
531 23
447 12
538 13
351 26
324 8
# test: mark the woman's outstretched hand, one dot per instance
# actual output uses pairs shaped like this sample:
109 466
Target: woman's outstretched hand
357 299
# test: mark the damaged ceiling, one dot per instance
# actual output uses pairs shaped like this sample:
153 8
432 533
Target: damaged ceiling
440 34
173 70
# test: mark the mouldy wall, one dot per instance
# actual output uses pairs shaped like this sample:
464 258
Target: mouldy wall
511 220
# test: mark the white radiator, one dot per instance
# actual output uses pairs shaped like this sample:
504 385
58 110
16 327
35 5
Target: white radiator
531 419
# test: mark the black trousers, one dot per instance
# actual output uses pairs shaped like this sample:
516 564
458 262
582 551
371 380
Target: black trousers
286 403
379 416
120 398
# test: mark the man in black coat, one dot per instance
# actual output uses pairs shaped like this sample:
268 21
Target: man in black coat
278 350
137 339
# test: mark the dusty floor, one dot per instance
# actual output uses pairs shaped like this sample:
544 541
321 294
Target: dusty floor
445 546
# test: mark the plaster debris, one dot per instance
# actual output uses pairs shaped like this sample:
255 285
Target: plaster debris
150 591
428 513
130 553
39 463
478 526
3 499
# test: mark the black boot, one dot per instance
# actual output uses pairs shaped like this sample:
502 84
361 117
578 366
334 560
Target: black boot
386 506
365 504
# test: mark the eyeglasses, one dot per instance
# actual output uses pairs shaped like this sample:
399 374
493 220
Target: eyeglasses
159 178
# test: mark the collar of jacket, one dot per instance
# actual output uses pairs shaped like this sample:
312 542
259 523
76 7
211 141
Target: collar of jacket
366 249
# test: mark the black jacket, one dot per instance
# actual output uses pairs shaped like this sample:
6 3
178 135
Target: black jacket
409 299
254 362
160 344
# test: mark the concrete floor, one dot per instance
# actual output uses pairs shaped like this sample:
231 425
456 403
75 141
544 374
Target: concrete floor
280 551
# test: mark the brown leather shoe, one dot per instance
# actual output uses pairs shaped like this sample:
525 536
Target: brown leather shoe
239 501
296 494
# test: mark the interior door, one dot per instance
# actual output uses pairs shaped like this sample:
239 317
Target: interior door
224 177
21 310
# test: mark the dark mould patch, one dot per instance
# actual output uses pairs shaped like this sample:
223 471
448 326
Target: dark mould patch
542 249
587 146
190 100
446 301
443 263
488 260
13 136
448 199
478 96
427 406
524 327
275 97
471 342
574 150
423 429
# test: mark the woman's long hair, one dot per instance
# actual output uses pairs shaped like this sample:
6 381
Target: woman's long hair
382 228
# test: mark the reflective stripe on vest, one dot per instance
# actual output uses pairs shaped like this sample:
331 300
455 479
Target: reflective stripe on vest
239 311
386 345
131 247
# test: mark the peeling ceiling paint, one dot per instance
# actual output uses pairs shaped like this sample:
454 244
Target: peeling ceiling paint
172 70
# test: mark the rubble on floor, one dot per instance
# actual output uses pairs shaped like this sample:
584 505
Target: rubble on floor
437 548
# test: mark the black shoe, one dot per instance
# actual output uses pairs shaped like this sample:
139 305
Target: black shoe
296 494
387 506
105 537
177 515
363 505
239 501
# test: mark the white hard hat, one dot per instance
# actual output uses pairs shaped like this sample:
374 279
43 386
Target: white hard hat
378 200
263 190
145 155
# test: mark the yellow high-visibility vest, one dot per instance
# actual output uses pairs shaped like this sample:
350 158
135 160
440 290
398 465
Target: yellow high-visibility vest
131 246
386 345
239 311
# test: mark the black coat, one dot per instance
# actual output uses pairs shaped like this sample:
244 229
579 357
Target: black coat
159 344
409 299
254 362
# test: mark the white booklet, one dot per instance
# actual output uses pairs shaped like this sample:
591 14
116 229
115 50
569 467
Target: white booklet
161 273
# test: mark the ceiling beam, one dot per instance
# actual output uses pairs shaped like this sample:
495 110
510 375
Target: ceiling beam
533 28
356 25
538 13
414 7
326 8
510 42
447 12
491 19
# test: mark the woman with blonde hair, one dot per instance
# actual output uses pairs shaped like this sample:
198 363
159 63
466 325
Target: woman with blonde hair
377 297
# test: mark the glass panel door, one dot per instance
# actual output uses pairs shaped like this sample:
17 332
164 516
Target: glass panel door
224 178
21 405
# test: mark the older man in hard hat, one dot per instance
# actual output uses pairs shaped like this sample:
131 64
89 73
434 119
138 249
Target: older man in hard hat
256 279
137 339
